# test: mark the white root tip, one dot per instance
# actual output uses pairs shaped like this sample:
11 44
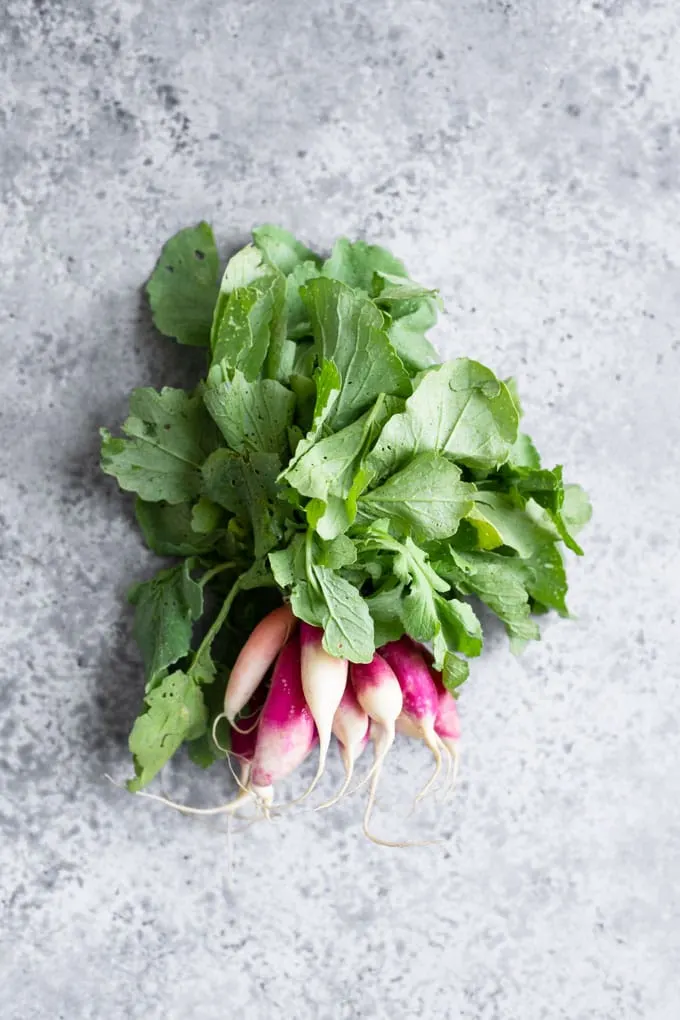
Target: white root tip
435 745
324 744
348 762
454 751
369 809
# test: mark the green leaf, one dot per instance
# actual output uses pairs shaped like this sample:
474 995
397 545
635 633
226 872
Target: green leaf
406 328
546 579
254 416
253 317
244 268
297 316
331 518
427 494
499 581
576 508
348 330
542 485
205 517
329 466
323 598
281 249
282 563
355 264
175 712
203 669
169 530
166 607
183 287
170 434
419 606
338 553
247 487
459 627
388 288
348 627
455 672
500 522
385 608
523 453
459 409
327 389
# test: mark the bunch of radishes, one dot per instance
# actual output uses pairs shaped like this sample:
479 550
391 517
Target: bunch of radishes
313 695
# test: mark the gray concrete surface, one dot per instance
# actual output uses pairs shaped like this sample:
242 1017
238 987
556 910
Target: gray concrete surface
524 158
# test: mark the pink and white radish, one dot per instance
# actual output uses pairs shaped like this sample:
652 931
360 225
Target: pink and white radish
421 701
255 658
379 694
351 727
324 678
286 732
447 724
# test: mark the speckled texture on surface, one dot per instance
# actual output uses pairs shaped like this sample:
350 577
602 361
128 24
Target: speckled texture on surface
524 158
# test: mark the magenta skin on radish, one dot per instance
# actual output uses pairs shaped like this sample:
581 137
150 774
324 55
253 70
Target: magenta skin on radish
243 741
421 700
286 732
447 723
447 726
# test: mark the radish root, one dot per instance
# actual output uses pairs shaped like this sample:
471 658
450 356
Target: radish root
435 745
244 733
370 803
348 762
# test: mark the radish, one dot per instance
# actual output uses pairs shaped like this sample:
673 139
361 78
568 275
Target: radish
421 701
351 727
255 658
379 694
286 731
324 679
447 724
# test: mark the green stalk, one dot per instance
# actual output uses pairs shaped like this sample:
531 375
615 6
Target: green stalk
214 571
217 623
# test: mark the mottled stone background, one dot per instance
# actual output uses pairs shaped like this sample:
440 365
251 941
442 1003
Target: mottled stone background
523 157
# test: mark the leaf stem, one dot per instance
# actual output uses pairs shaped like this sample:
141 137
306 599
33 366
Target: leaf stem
218 621
214 571
309 561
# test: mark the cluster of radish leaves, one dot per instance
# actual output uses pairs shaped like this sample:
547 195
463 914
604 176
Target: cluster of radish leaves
329 458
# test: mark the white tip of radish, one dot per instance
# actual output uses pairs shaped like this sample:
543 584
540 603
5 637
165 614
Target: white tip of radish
324 678
435 745
348 759
453 748
264 794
